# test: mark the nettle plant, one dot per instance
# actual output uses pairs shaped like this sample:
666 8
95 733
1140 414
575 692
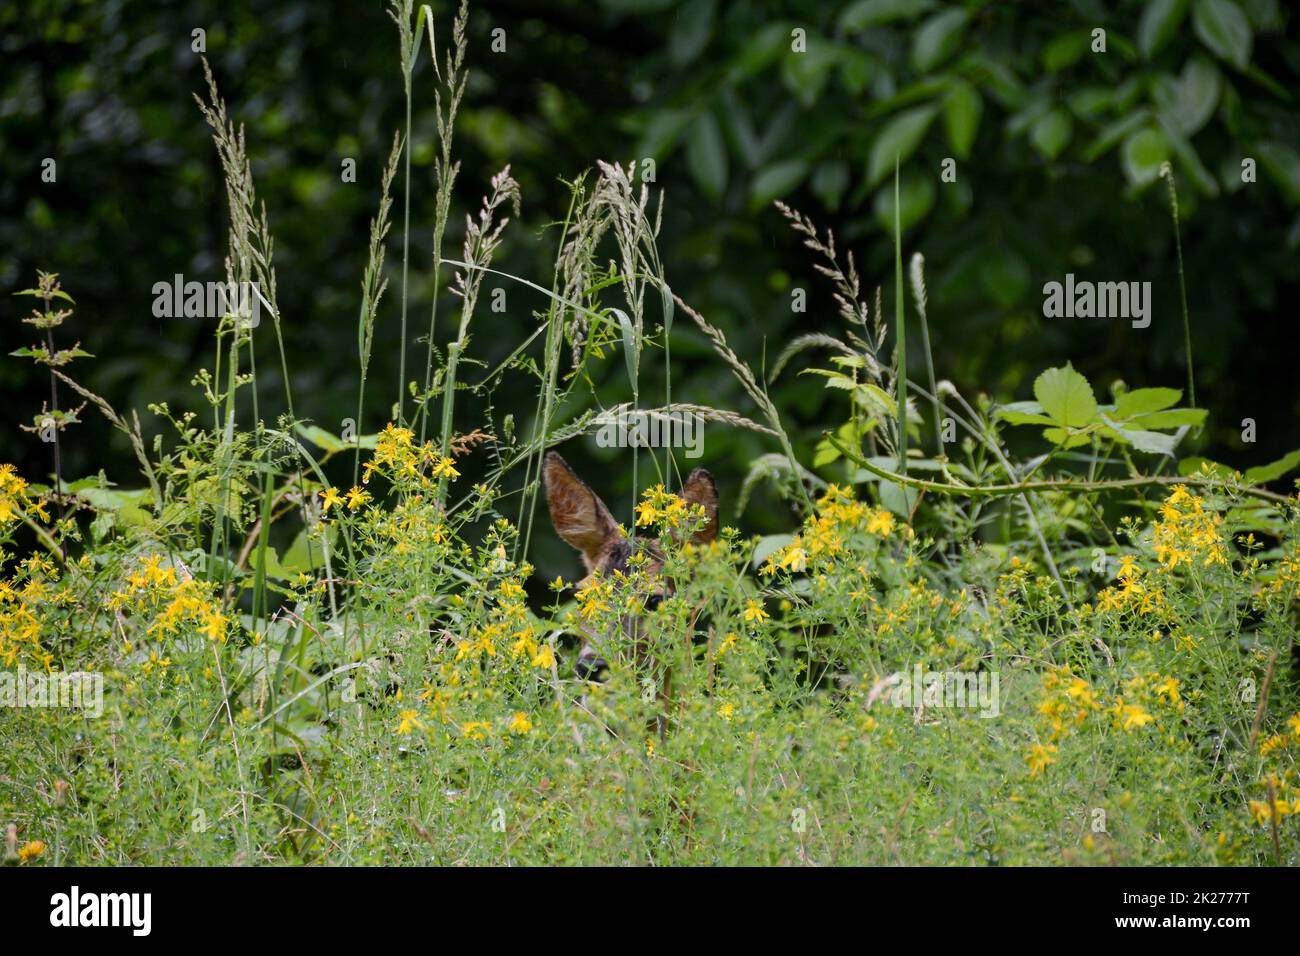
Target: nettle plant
317 668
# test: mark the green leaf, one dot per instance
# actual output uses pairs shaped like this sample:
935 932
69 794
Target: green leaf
329 442
1224 29
1193 466
1154 443
304 554
662 132
1282 163
1172 418
1142 155
1023 413
1143 400
1273 470
1066 396
631 346
706 156
1189 101
692 32
829 181
1051 132
776 181
916 195
898 498
1064 51
899 137
962 108
1160 20
273 569
1064 438
1111 135
937 38
668 308
867 13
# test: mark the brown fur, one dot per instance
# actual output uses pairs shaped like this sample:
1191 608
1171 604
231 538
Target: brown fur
584 521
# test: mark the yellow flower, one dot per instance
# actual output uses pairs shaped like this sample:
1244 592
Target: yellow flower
444 468
726 711
519 723
357 498
1039 757
881 523
408 720
545 657
754 611
1131 716
1168 690
332 498
31 850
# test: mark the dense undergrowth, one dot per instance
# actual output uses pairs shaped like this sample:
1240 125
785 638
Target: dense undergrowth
378 688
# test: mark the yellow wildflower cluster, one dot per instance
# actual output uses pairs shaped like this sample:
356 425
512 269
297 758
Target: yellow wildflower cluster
827 532
14 499
27 603
356 497
1285 581
1279 784
155 590
1133 592
413 525
595 598
1186 531
1068 700
398 457
667 510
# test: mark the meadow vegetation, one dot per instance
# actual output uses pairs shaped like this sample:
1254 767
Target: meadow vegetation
323 648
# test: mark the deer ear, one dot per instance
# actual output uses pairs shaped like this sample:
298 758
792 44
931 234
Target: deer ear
579 516
701 490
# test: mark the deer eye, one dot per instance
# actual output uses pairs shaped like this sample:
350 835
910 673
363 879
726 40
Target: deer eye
653 601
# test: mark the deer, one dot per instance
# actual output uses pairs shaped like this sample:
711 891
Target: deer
583 521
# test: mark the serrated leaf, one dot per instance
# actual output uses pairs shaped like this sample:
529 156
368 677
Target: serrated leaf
1143 400
1066 397
1172 418
1154 443
1064 438
1274 469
